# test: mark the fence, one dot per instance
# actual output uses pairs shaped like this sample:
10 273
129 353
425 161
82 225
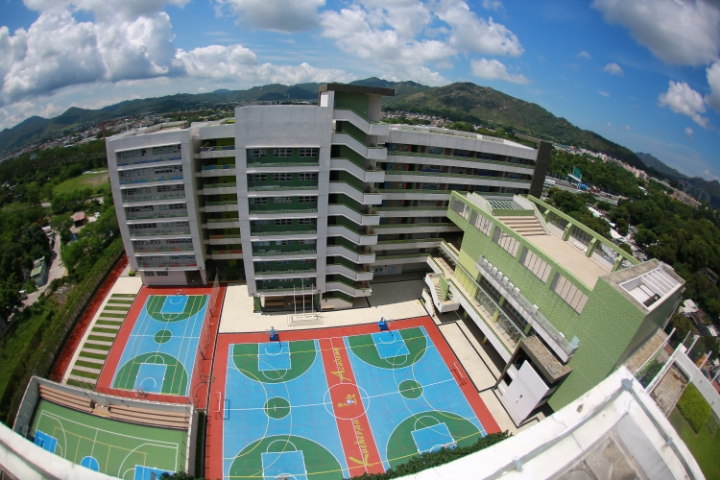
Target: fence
57 329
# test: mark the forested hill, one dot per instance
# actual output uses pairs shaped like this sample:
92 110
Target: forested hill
459 101
472 103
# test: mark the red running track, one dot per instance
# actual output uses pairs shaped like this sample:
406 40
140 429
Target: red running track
63 360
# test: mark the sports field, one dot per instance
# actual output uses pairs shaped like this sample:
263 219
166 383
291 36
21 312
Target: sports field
339 402
159 354
119 449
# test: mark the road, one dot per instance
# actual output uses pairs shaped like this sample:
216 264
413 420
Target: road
57 270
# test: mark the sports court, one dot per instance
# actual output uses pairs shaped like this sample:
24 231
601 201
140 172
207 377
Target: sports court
156 350
124 450
338 402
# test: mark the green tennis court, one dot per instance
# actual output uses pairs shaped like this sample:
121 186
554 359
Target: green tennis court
124 450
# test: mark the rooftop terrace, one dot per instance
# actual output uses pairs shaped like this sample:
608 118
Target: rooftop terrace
456 133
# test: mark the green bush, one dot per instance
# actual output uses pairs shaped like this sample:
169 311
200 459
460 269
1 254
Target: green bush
433 459
694 408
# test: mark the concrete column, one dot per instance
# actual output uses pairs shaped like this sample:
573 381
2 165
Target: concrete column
591 247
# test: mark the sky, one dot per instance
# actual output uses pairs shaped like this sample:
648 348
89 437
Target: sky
642 73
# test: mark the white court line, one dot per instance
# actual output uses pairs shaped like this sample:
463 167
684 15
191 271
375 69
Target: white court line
325 403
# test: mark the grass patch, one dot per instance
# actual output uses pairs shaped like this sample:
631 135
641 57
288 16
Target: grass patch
86 180
704 446
100 338
99 329
113 315
118 301
75 383
115 326
694 408
98 347
122 308
124 295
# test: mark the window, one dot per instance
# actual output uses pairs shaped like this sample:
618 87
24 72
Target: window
459 207
307 199
282 152
506 242
481 222
283 200
258 153
143 226
283 242
258 177
170 188
258 201
149 274
460 153
161 274
173 206
535 264
138 191
306 177
435 150
569 292
282 177
167 149
148 208
308 152
435 168
307 221
306 242
283 221
168 169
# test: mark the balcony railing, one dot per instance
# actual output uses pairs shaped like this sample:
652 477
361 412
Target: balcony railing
147 198
282 163
151 160
283 232
151 215
166 264
161 178
219 185
163 249
285 270
222 202
459 158
449 176
307 251
225 235
222 220
218 167
259 211
529 311
155 233
217 148
253 187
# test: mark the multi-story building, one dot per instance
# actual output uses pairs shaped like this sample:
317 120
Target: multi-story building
315 198
561 305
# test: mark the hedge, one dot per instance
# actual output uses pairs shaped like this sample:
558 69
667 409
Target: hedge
434 459
694 408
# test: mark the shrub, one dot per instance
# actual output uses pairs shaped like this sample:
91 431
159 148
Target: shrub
131 273
694 408
433 459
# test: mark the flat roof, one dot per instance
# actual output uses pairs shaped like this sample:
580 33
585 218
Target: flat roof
343 87
568 256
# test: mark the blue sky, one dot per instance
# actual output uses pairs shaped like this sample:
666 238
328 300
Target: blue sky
643 73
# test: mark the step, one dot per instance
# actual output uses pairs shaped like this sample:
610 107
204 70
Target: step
95 351
111 319
86 369
90 360
82 379
103 334
98 342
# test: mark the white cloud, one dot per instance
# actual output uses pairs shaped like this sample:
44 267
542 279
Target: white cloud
473 34
584 54
240 64
494 70
604 94
688 131
492 4
352 31
277 15
123 10
682 32
627 127
680 98
713 78
613 69
54 52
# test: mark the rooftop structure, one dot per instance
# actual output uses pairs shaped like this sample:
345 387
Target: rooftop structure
546 291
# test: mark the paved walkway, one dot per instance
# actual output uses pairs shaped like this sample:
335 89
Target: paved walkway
57 270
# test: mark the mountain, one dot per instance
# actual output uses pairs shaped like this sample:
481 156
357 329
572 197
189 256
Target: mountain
656 164
472 103
459 101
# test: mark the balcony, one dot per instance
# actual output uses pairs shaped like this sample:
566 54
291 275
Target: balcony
354 215
152 249
367 176
371 152
355 236
150 181
134 217
142 161
265 186
407 228
408 243
545 329
209 171
214 223
355 193
355 255
378 129
348 288
349 271
136 199
226 253
395 156
415 211
414 194
222 238
457 179
220 206
150 233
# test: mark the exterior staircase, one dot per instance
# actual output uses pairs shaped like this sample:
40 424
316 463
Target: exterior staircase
524 225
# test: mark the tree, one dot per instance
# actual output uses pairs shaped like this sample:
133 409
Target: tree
645 237
621 225
625 247
682 326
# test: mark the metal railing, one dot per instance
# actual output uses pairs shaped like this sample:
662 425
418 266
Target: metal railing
282 232
151 179
157 215
260 188
159 232
146 198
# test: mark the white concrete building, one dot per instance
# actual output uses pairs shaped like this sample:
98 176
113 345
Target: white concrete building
316 197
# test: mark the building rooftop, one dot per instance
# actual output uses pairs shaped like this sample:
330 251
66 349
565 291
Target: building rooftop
457 133
342 87
570 257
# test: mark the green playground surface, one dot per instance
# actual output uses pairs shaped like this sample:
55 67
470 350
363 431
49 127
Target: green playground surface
112 447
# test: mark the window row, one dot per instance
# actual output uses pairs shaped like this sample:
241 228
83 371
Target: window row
285 152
